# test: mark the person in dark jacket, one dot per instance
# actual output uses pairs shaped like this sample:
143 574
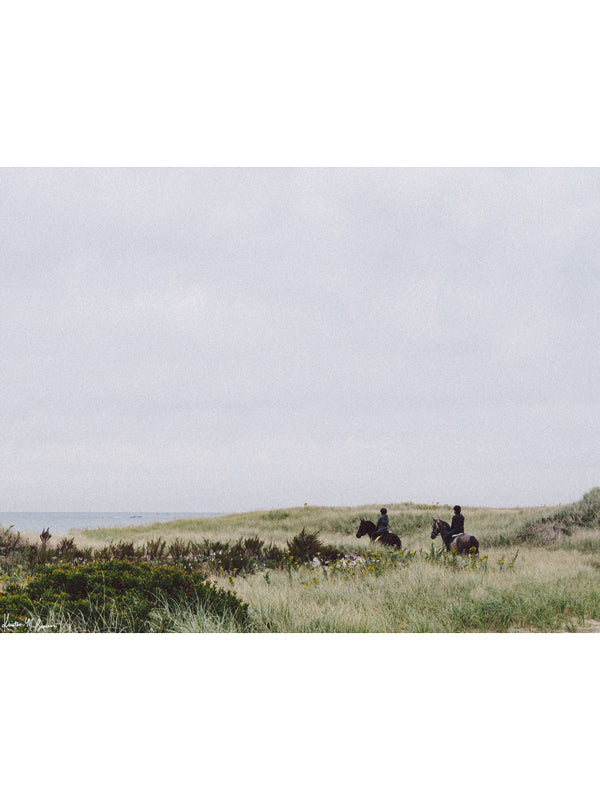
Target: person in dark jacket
458 524
383 523
458 521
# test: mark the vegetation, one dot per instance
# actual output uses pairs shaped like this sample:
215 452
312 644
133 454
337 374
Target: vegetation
563 521
304 570
114 596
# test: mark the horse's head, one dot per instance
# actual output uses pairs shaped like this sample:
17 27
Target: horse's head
439 526
362 529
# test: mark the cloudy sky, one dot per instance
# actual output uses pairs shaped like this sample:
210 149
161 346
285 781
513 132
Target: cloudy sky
230 339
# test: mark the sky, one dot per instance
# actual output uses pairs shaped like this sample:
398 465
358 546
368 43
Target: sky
227 339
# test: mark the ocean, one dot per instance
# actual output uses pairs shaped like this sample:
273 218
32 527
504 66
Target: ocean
62 523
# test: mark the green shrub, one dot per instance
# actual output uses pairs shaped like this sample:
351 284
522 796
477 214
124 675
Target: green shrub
304 547
253 546
155 549
66 549
120 551
207 547
240 557
130 595
274 556
327 553
179 549
9 541
234 558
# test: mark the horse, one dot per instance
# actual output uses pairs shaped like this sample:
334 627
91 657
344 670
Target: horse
368 527
462 543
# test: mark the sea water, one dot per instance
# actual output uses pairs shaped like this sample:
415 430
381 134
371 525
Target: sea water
62 523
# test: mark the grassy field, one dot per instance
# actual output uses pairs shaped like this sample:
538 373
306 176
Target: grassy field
538 569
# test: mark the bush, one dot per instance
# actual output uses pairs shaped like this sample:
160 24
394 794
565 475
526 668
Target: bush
120 551
235 558
9 541
155 549
253 546
274 556
129 595
179 549
328 553
304 547
66 549
239 557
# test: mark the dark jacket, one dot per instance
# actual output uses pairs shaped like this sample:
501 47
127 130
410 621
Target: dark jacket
458 523
383 523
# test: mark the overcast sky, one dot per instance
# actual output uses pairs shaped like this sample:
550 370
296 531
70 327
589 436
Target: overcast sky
230 339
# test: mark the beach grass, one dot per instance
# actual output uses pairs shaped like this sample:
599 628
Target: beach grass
540 592
538 570
335 525
304 570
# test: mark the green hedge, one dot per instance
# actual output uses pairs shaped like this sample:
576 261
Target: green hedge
116 595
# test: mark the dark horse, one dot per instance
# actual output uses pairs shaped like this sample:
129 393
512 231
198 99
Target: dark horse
366 526
462 542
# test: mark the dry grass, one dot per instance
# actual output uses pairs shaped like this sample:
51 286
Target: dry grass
336 525
552 585
543 591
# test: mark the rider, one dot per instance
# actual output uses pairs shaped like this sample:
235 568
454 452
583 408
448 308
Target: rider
383 523
458 524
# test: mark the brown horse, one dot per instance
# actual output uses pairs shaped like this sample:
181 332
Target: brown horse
369 528
462 543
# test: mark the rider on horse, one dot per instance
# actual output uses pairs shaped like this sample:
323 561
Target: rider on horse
458 525
383 523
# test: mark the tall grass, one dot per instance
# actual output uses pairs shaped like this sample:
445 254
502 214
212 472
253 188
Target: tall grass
169 617
561 522
542 591
553 583
335 525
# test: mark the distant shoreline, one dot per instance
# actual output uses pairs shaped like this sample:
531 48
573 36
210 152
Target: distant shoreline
61 523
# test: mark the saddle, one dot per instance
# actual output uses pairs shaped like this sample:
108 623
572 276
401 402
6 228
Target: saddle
450 536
